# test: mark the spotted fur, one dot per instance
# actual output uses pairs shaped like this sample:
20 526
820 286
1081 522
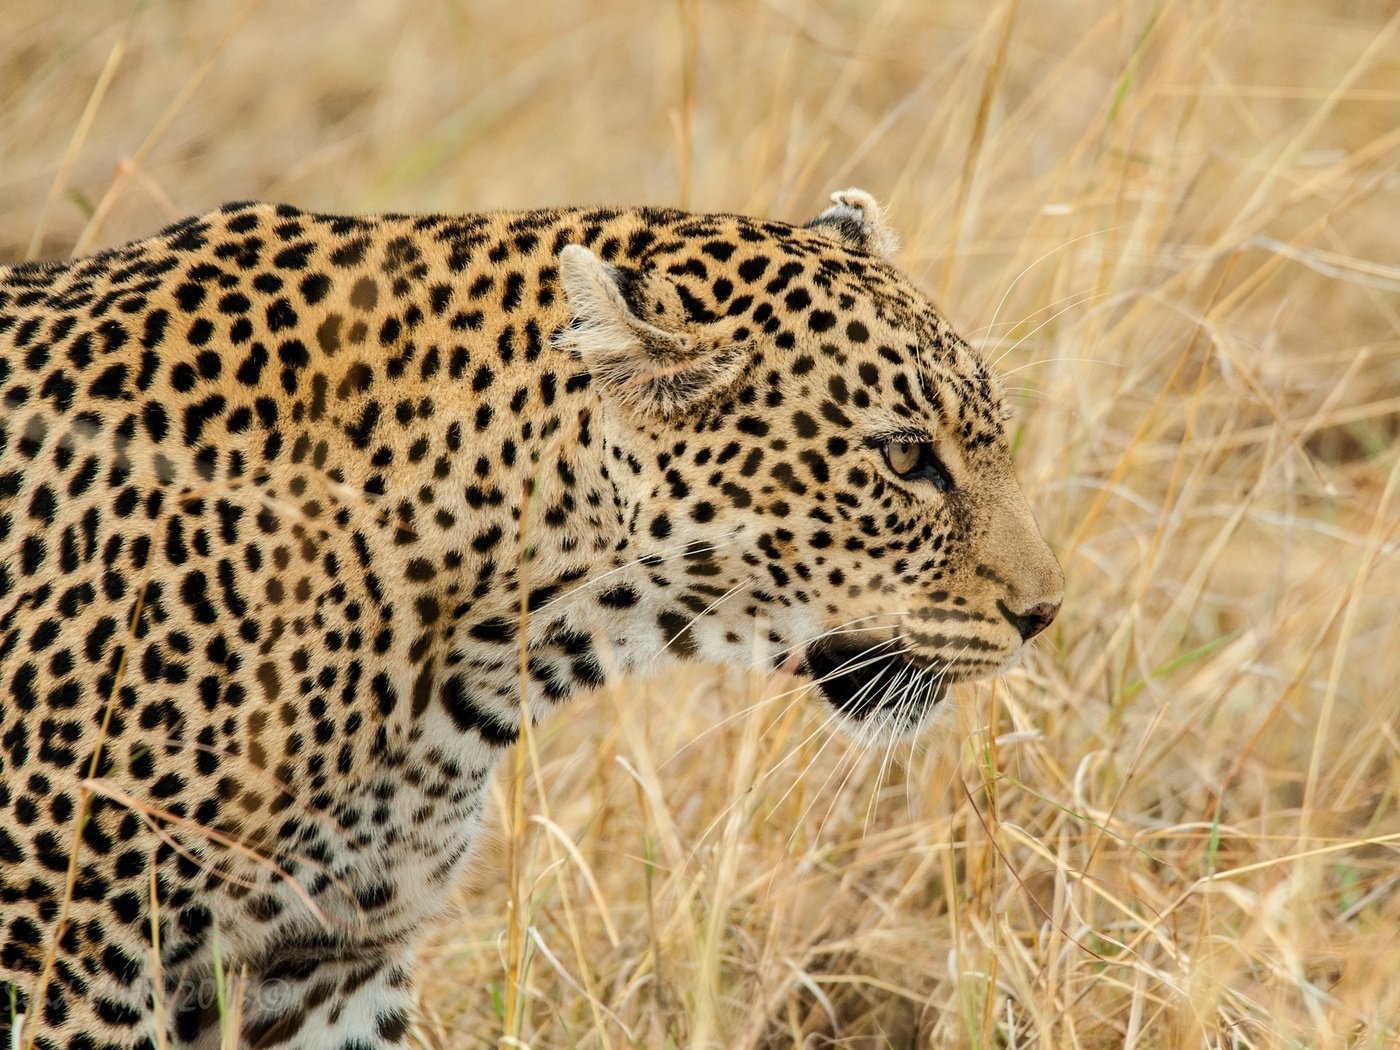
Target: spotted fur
293 505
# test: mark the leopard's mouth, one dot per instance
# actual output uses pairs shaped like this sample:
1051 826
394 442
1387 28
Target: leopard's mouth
863 680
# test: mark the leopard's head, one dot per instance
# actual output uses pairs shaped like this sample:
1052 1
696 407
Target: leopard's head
812 450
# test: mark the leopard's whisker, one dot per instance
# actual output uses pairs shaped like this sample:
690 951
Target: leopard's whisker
996 361
833 716
797 695
830 719
1011 287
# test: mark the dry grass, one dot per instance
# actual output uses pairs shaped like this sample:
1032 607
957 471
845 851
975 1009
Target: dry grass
1175 225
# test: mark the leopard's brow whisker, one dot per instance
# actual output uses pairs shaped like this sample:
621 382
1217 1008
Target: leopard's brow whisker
1063 310
1040 259
973 334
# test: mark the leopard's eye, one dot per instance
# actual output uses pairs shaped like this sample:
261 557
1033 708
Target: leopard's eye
917 461
902 456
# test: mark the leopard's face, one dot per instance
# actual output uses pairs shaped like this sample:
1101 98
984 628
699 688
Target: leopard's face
830 476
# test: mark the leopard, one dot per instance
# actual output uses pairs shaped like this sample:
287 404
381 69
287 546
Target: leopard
304 518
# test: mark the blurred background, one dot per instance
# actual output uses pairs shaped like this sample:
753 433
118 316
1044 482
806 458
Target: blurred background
1175 225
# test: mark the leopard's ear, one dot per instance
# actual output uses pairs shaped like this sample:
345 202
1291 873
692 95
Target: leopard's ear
855 218
654 368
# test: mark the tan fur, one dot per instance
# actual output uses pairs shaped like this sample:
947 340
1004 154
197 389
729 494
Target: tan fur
298 511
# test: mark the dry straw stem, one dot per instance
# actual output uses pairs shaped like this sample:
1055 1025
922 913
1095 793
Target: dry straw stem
1178 824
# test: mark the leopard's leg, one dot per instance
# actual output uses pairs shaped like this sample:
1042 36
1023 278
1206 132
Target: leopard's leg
73 1003
360 1003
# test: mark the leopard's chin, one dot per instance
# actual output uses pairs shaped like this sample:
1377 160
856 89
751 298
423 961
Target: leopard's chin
872 686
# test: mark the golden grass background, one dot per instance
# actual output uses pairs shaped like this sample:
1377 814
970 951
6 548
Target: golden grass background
1177 227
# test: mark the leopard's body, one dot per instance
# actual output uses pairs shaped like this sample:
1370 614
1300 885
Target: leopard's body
291 506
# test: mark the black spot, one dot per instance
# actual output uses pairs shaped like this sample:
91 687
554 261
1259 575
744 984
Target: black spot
798 299
198 414
31 553
510 296
622 596
293 257
351 253
182 377
753 269
639 242
281 315
108 385
314 288
468 714
189 295
154 331
359 434
392 1026
675 628
43 505
695 310
365 294
498 630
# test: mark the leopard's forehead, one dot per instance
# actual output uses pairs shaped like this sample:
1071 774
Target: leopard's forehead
835 309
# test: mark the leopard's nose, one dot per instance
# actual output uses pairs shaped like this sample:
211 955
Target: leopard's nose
1034 620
